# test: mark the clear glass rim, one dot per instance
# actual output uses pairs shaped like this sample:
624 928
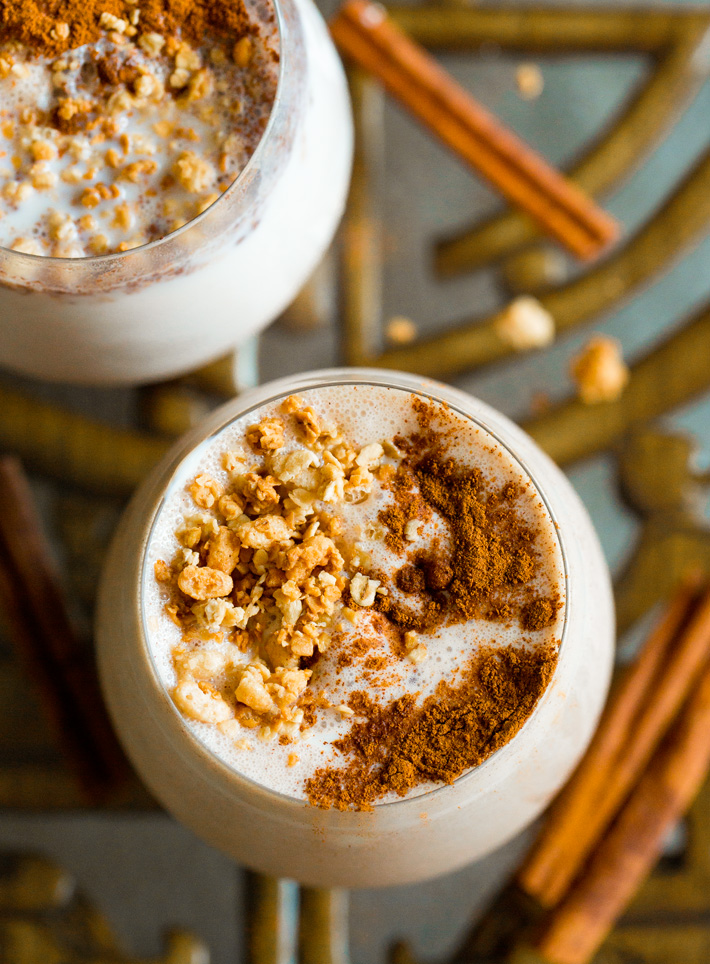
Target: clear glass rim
328 379
254 161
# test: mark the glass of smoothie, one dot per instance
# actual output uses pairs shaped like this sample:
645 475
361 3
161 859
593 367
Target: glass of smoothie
356 629
169 178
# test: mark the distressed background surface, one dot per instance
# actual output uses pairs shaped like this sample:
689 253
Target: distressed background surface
143 870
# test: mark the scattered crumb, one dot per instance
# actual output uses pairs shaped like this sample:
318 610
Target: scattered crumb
525 324
400 330
529 81
599 370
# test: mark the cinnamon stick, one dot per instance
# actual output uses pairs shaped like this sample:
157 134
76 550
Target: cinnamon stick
364 33
576 929
639 714
45 641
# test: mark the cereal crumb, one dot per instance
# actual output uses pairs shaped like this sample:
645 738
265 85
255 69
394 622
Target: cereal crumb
59 31
411 640
122 217
138 169
268 435
252 691
26 246
292 404
529 81
418 655
151 43
205 491
599 371
363 589
186 58
201 582
242 52
206 202
411 530
109 22
400 330
163 572
43 151
525 324
201 702
193 172
416 651
98 244
179 78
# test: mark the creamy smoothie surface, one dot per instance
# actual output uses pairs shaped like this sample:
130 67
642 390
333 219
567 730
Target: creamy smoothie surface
353 595
121 120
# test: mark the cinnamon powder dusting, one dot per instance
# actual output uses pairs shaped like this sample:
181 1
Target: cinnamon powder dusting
492 558
486 570
396 747
33 23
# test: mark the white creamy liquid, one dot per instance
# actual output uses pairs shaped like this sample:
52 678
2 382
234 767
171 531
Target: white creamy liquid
93 333
365 414
137 130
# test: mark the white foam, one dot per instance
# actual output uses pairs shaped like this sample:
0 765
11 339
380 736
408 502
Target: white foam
365 414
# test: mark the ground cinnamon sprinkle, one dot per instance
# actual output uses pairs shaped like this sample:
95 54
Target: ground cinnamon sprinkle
350 649
408 506
493 550
490 545
34 22
539 613
485 569
396 747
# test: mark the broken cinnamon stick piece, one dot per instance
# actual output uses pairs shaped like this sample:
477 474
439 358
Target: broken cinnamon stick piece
637 717
61 666
576 929
365 34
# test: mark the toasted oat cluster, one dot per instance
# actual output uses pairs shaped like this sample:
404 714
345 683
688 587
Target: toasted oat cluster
525 324
600 372
263 572
121 141
529 81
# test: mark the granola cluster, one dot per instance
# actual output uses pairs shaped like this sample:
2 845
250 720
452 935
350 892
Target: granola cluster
125 139
525 324
599 371
263 573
